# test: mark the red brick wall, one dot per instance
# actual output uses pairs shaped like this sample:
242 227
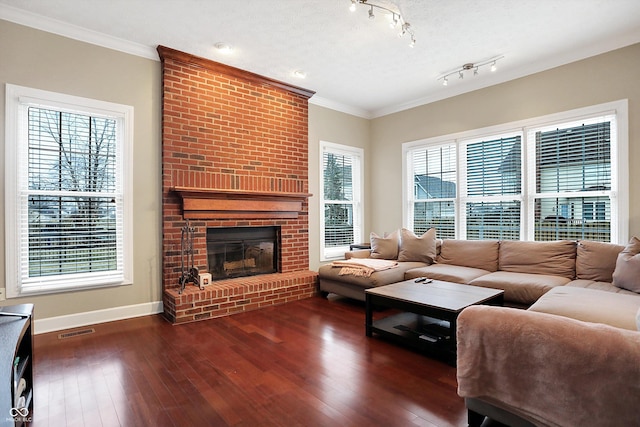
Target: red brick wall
224 128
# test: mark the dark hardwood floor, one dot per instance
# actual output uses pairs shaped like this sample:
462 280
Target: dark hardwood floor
305 363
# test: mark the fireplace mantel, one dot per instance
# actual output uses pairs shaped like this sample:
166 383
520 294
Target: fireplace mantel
205 203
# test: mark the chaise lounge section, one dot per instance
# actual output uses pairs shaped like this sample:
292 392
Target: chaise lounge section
570 359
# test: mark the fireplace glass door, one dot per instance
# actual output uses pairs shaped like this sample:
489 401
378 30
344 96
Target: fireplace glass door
242 251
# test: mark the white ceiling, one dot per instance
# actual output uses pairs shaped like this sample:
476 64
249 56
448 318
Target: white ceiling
354 64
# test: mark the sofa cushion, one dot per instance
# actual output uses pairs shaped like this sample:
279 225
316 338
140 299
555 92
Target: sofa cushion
627 272
551 258
482 254
596 260
378 278
591 305
598 286
414 248
523 288
638 319
384 247
448 273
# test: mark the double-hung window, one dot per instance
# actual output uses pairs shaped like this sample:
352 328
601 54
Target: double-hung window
572 191
491 187
341 198
548 178
433 189
68 192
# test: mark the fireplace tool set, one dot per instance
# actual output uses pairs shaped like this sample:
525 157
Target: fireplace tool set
189 271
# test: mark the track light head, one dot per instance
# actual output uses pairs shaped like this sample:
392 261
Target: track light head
395 17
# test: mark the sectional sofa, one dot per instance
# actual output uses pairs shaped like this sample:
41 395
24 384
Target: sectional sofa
524 270
570 358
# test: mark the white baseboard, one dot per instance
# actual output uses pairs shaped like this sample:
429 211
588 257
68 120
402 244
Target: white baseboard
51 324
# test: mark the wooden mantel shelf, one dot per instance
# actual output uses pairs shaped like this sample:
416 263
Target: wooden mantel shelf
204 203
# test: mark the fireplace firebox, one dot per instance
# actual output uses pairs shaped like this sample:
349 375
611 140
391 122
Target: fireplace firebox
242 251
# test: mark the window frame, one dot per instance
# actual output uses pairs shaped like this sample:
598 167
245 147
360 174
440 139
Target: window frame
619 165
357 155
18 100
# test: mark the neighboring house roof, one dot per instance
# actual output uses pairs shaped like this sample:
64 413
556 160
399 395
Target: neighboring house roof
431 187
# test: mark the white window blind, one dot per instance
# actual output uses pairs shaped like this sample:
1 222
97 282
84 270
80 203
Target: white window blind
433 184
573 183
492 187
68 222
341 199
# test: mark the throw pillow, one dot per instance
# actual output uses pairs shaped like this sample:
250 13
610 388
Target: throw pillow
384 247
627 272
414 248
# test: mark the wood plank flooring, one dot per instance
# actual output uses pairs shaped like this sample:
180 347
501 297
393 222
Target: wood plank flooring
305 363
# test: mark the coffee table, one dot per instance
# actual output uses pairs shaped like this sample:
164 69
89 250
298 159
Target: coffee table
428 312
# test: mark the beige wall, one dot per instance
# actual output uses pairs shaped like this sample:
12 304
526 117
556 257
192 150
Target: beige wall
604 78
340 128
45 61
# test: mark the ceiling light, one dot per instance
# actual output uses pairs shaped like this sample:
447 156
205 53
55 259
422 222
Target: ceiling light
300 74
223 48
466 68
395 17
393 21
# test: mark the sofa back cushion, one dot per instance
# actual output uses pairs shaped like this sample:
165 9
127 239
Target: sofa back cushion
481 254
417 248
384 247
627 272
596 260
552 258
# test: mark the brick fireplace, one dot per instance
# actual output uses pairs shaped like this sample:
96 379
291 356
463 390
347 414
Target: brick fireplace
234 154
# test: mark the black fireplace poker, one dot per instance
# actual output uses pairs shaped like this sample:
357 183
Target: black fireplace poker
189 271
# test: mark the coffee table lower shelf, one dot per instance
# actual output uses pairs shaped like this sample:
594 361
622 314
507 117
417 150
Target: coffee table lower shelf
423 333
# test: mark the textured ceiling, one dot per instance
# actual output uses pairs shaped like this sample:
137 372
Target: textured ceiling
354 64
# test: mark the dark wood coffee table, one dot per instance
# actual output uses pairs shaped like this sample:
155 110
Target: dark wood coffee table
428 312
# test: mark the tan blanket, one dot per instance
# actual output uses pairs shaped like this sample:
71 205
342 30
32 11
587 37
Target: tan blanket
363 267
552 370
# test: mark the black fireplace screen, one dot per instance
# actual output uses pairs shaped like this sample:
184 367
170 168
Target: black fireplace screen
242 251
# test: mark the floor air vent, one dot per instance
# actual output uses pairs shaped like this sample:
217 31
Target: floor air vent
76 333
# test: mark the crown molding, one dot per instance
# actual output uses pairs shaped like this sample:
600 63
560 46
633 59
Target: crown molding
337 106
39 22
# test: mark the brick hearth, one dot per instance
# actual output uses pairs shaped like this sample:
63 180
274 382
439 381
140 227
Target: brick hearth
232 138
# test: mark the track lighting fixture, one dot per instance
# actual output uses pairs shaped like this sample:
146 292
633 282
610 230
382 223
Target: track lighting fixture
466 68
395 18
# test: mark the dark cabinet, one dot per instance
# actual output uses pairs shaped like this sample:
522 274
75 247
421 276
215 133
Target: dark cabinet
16 365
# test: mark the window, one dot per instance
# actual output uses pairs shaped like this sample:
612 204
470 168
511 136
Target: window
68 196
549 178
572 188
341 199
433 196
492 187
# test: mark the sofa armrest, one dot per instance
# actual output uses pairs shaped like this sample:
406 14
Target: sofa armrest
549 369
361 253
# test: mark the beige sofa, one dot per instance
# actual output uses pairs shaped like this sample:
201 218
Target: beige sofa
571 359
524 270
